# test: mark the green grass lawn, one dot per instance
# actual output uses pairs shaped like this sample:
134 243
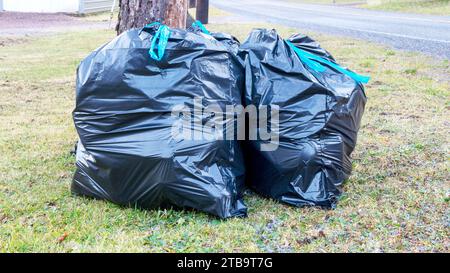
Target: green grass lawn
396 200
327 2
434 7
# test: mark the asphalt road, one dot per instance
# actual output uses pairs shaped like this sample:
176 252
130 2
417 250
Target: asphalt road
427 34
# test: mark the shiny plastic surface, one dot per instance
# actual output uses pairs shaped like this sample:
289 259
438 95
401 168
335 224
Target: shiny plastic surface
319 118
124 98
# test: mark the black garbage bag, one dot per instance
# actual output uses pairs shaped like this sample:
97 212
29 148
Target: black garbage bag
320 107
231 42
129 152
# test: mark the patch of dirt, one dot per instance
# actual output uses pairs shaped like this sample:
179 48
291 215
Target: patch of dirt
439 75
32 23
6 41
9 20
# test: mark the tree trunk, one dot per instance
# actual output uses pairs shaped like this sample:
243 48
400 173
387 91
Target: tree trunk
138 13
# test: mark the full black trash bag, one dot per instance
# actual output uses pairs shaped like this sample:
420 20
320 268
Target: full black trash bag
320 110
231 42
124 99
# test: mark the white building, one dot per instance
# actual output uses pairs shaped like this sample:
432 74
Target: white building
73 6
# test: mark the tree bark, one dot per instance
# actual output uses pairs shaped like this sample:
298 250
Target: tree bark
138 13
